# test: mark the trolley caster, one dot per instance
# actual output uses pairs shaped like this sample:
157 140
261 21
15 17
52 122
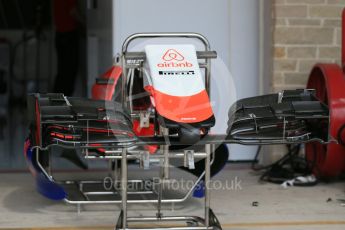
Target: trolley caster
214 222
192 223
119 224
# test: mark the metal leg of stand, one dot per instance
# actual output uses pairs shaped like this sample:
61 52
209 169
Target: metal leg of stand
166 161
207 181
50 166
165 149
160 192
124 180
164 172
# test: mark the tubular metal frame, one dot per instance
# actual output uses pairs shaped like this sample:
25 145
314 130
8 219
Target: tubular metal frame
125 153
123 219
117 155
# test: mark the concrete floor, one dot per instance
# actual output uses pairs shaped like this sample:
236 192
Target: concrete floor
293 208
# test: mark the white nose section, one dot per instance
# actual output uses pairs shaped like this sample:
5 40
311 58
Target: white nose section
176 83
174 69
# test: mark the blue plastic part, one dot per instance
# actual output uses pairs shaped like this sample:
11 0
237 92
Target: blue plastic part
30 159
44 185
49 189
199 190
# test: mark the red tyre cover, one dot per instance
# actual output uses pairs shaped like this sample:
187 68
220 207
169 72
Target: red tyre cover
329 82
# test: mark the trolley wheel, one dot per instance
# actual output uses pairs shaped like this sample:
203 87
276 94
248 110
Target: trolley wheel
214 222
328 161
192 223
189 135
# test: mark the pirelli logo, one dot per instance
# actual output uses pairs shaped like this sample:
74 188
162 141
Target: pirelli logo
192 72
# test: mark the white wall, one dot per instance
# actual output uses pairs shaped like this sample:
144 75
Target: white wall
244 40
244 58
210 18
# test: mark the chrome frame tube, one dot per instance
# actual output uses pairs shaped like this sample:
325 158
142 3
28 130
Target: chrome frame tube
131 38
164 156
80 202
143 201
124 184
207 182
137 156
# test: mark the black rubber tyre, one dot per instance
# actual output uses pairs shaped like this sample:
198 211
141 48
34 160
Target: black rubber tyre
189 136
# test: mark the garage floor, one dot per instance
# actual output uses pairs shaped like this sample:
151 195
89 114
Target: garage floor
293 208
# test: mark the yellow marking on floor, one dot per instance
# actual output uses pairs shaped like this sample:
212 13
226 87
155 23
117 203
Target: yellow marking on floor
282 224
226 225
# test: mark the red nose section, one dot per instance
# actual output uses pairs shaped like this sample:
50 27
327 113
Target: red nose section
105 86
188 109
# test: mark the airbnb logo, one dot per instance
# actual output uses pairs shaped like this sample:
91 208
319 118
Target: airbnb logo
172 55
173 59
